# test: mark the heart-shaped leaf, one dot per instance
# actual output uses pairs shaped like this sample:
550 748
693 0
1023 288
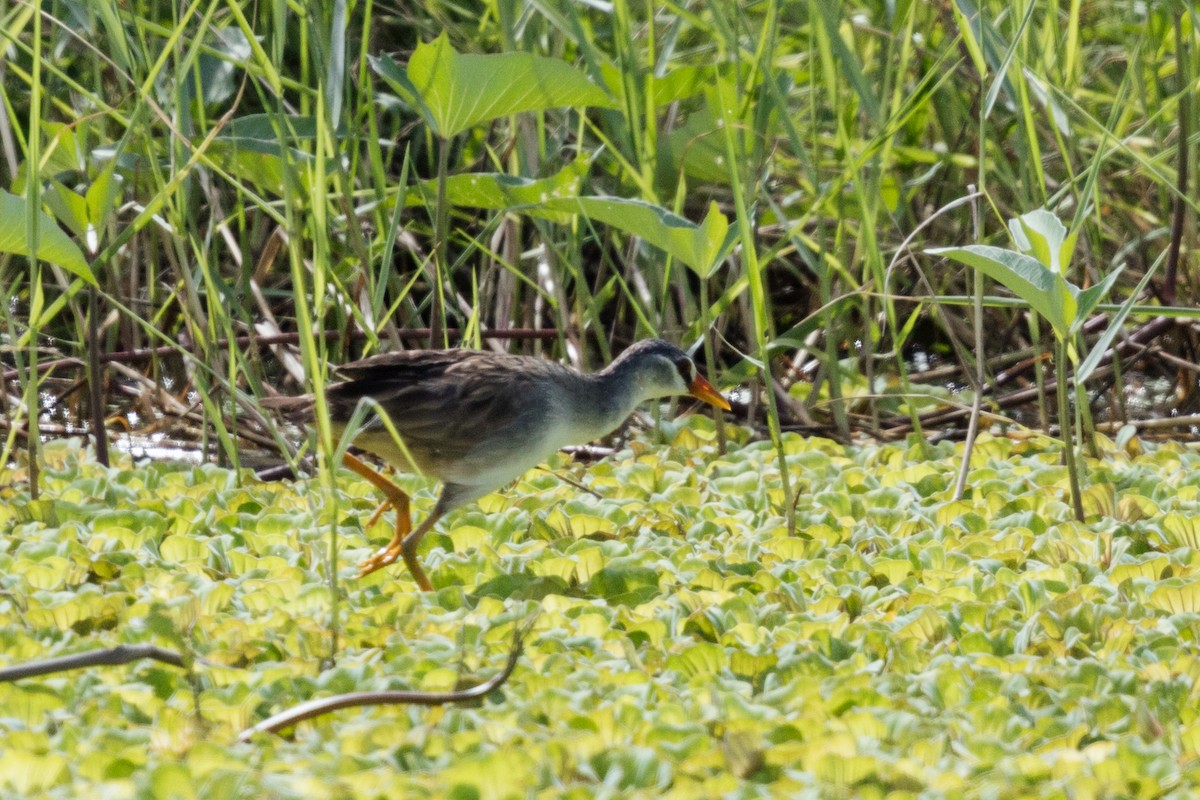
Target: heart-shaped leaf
701 246
454 91
1045 291
53 245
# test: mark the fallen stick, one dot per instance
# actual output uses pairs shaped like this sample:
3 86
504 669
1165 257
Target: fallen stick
110 656
325 705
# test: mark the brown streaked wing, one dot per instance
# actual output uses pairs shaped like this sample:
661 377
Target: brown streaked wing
444 404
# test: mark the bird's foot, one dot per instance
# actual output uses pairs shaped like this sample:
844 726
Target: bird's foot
382 558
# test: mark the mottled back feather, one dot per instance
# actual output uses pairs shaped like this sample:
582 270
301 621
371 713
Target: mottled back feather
445 404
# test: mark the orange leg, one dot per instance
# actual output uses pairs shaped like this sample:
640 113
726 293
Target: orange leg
405 541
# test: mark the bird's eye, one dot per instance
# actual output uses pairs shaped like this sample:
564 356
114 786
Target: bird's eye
685 368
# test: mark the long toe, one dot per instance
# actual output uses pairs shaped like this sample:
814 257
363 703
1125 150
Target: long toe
381 559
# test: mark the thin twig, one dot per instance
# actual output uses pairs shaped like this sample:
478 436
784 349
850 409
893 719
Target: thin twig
1155 424
325 705
964 468
110 656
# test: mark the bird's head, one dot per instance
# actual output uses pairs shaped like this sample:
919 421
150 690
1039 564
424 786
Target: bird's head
660 369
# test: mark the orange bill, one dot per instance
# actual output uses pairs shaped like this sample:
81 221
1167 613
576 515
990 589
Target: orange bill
701 389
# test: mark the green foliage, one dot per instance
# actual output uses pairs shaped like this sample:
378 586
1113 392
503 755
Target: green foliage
53 245
903 643
454 91
239 168
899 643
557 197
1046 291
701 246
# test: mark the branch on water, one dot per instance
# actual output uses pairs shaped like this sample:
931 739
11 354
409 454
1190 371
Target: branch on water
1135 344
126 653
325 705
110 656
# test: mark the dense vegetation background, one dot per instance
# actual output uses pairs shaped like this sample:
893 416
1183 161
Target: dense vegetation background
226 198
237 177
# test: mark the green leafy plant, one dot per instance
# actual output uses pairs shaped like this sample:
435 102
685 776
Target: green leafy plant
53 244
1035 272
682 644
453 91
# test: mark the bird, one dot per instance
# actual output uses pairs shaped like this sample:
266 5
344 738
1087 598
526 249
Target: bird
477 420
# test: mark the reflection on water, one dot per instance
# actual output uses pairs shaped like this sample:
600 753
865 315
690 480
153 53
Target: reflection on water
159 447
